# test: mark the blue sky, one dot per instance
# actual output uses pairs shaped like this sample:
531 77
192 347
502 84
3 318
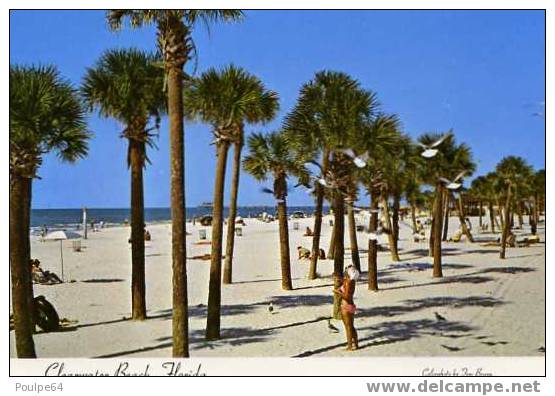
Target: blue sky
478 72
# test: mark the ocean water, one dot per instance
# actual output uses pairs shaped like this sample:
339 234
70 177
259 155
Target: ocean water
56 219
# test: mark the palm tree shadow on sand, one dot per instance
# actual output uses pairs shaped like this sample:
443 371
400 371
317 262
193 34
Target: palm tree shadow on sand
397 331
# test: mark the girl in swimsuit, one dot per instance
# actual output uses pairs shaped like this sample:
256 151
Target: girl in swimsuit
348 308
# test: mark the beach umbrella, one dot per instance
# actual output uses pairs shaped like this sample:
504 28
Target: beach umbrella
60 236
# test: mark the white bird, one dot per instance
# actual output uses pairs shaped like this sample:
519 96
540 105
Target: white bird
453 184
429 150
359 160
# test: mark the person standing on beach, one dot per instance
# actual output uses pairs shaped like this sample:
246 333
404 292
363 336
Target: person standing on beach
348 308
43 232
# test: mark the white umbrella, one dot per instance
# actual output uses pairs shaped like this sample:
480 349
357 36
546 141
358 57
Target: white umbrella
60 236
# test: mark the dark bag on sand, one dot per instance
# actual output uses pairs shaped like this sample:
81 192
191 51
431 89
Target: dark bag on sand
46 316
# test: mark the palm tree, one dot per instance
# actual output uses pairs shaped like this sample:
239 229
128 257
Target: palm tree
396 167
381 140
331 114
512 172
127 85
449 162
45 115
272 156
538 193
175 42
479 191
226 99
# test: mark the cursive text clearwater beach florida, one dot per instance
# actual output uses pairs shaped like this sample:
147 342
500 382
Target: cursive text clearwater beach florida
127 369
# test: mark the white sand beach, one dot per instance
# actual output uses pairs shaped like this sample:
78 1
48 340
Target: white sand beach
491 307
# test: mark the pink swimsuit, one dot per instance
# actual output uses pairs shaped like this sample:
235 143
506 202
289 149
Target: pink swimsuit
346 307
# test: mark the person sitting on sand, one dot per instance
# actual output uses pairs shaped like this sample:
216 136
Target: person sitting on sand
42 277
147 235
457 237
419 227
304 253
348 308
308 232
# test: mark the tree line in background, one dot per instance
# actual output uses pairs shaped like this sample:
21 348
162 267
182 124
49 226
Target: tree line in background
336 143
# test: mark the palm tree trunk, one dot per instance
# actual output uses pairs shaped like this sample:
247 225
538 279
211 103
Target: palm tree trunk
389 231
285 259
338 242
27 222
501 214
312 272
138 297
464 226
180 325
481 209
519 213
395 221
214 286
446 217
230 242
355 257
437 220
431 241
331 250
413 216
373 243
19 267
534 216
491 216
506 224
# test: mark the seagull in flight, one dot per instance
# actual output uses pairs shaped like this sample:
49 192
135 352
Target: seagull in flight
430 150
359 160
453 184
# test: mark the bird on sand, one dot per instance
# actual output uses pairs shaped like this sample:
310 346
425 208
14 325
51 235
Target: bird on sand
439 317
331 327
452 349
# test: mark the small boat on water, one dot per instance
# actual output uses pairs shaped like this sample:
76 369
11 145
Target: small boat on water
206 205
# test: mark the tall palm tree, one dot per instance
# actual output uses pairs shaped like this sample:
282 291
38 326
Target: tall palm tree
226 99
381 139
331 113
512 172
396 168
451 159
175 42
45 115
127 85
271 155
